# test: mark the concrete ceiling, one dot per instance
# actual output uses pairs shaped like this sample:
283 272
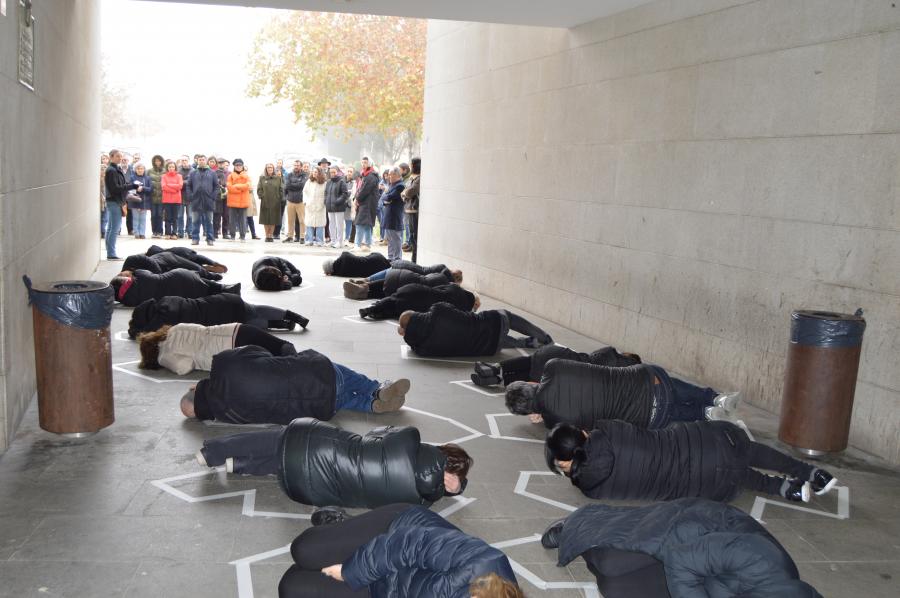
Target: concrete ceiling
547 13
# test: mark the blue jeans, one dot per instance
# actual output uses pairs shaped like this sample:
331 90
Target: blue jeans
139 222
114 224
363 234
378 276
201 218
348 228
352 390
104 219
380 213
184 214
315 234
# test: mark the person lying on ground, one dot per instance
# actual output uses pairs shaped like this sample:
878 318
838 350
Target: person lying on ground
272 273
189 254
355 266
166 262
250 385
685 547
224 308
643 395
320 464
133 288
183 348
398 550
444 331
713 460
419 297
411 267
530 368
394 278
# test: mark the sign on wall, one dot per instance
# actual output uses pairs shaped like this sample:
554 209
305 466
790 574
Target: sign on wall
26 45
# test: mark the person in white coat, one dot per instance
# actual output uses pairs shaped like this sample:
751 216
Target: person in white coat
314 198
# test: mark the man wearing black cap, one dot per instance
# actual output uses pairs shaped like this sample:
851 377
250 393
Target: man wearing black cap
293 193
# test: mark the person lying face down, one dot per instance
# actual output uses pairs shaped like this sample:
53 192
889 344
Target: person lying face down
530 368
677 548
397 550
248 385
643 395
419 298
444 331
132 288
272 273
165 261
355 266
320 464
713 460
189 254
387 282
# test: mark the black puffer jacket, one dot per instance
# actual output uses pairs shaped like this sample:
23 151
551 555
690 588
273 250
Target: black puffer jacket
324 465
153 314
702 459
708 550
444 331
284 266
185 252
249 385
398 277
419 269
166 262
357 266
177 283
607 356
418 297
581 393
336 194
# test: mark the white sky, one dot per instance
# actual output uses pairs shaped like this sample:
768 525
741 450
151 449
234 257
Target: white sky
187 66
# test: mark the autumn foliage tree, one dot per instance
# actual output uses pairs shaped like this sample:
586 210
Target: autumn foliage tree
345 74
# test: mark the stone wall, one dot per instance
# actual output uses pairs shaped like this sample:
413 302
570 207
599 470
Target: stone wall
674 180
49 169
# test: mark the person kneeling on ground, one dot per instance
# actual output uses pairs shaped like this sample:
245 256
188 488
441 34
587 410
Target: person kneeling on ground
418 297
165 261
133 288
249 385
189 254
387 282
183 348
677 548
320 464
530 368
397 550
272 273
444 331
355 266
703 459
225 308
643 395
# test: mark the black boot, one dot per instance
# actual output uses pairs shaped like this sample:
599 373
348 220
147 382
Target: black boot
364 313
234 289
550 539
295 317
485 369
326 515
484 380
280 325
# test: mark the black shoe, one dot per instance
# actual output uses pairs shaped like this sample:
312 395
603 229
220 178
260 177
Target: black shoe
550 539
822 482
485 381
327 515
485 369
364 313
796 490
295 317
288 240
280 325
301 241
234 289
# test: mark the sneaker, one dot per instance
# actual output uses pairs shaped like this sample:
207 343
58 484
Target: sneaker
301 241
728 401
195 242
390 396
288 240
716 413
356 291
822 482
270 240
229 465
295 317
115 258
796 490
201 459
550 538
326 515
208 242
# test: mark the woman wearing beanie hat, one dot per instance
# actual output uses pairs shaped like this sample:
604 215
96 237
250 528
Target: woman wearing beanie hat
238 185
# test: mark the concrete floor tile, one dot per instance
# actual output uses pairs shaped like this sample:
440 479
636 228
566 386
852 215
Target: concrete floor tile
40 580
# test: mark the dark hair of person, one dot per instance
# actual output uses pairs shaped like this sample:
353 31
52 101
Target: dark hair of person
366 158
115 283
268 279
155 159
113 152
416 165
494 586
565 442
520 398
458 461
149 345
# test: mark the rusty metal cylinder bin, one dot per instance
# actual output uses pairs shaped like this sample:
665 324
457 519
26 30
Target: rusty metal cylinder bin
820 381
72 355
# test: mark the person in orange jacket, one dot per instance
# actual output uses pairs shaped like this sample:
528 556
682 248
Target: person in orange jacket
171 183
238 184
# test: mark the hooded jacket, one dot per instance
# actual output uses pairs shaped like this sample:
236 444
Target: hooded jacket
183 252
358 266
286 268
156 173
179 283
322 464
607 356
398 277
153 314
190 347
203 189
422 554
293 186
419 297
368 198
171 183
238 185
700 459
336 194
706 550
165 262
444 331
249 385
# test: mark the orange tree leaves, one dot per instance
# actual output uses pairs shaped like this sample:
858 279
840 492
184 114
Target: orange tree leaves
349 74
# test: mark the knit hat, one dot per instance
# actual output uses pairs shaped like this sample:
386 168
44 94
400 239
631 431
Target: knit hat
237 161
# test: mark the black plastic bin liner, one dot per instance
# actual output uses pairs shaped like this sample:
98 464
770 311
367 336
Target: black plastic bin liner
827 329
77 303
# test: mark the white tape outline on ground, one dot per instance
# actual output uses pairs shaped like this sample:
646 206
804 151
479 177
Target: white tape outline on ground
118 367
467 384
522 484
843 506
495 429
473 433
406 352
589 588
357 320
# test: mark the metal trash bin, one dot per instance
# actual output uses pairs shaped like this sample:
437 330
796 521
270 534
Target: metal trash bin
820 381
72 355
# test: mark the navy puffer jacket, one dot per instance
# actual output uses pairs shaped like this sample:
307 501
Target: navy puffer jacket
399 277
153 314
607 356
166 262
359 266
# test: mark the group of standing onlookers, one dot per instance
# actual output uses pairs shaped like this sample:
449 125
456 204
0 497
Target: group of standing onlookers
324 205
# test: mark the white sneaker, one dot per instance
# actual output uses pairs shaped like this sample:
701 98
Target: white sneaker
728 401
201 459
229 464
717 414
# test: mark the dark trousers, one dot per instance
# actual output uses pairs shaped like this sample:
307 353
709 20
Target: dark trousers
623 574
260 315
326 545
171 217
252 335
129 222
519 324
376 289
765 457
252 226
516 369
689 401
412 220
277 232
254 453
217 225
156 219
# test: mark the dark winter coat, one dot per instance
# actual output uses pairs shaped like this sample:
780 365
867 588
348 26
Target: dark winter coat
153 314
117 186
165 262
411 194
368 199
422 554
336 194
203 189
398 277
184 252
324 465
357 266
270 190
178 283
582 393
607 356
420 269
284 266
293 186
185 192
156 176
146 192
702 459
393 207
222 177
706 550
249 385
444 331
419 297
